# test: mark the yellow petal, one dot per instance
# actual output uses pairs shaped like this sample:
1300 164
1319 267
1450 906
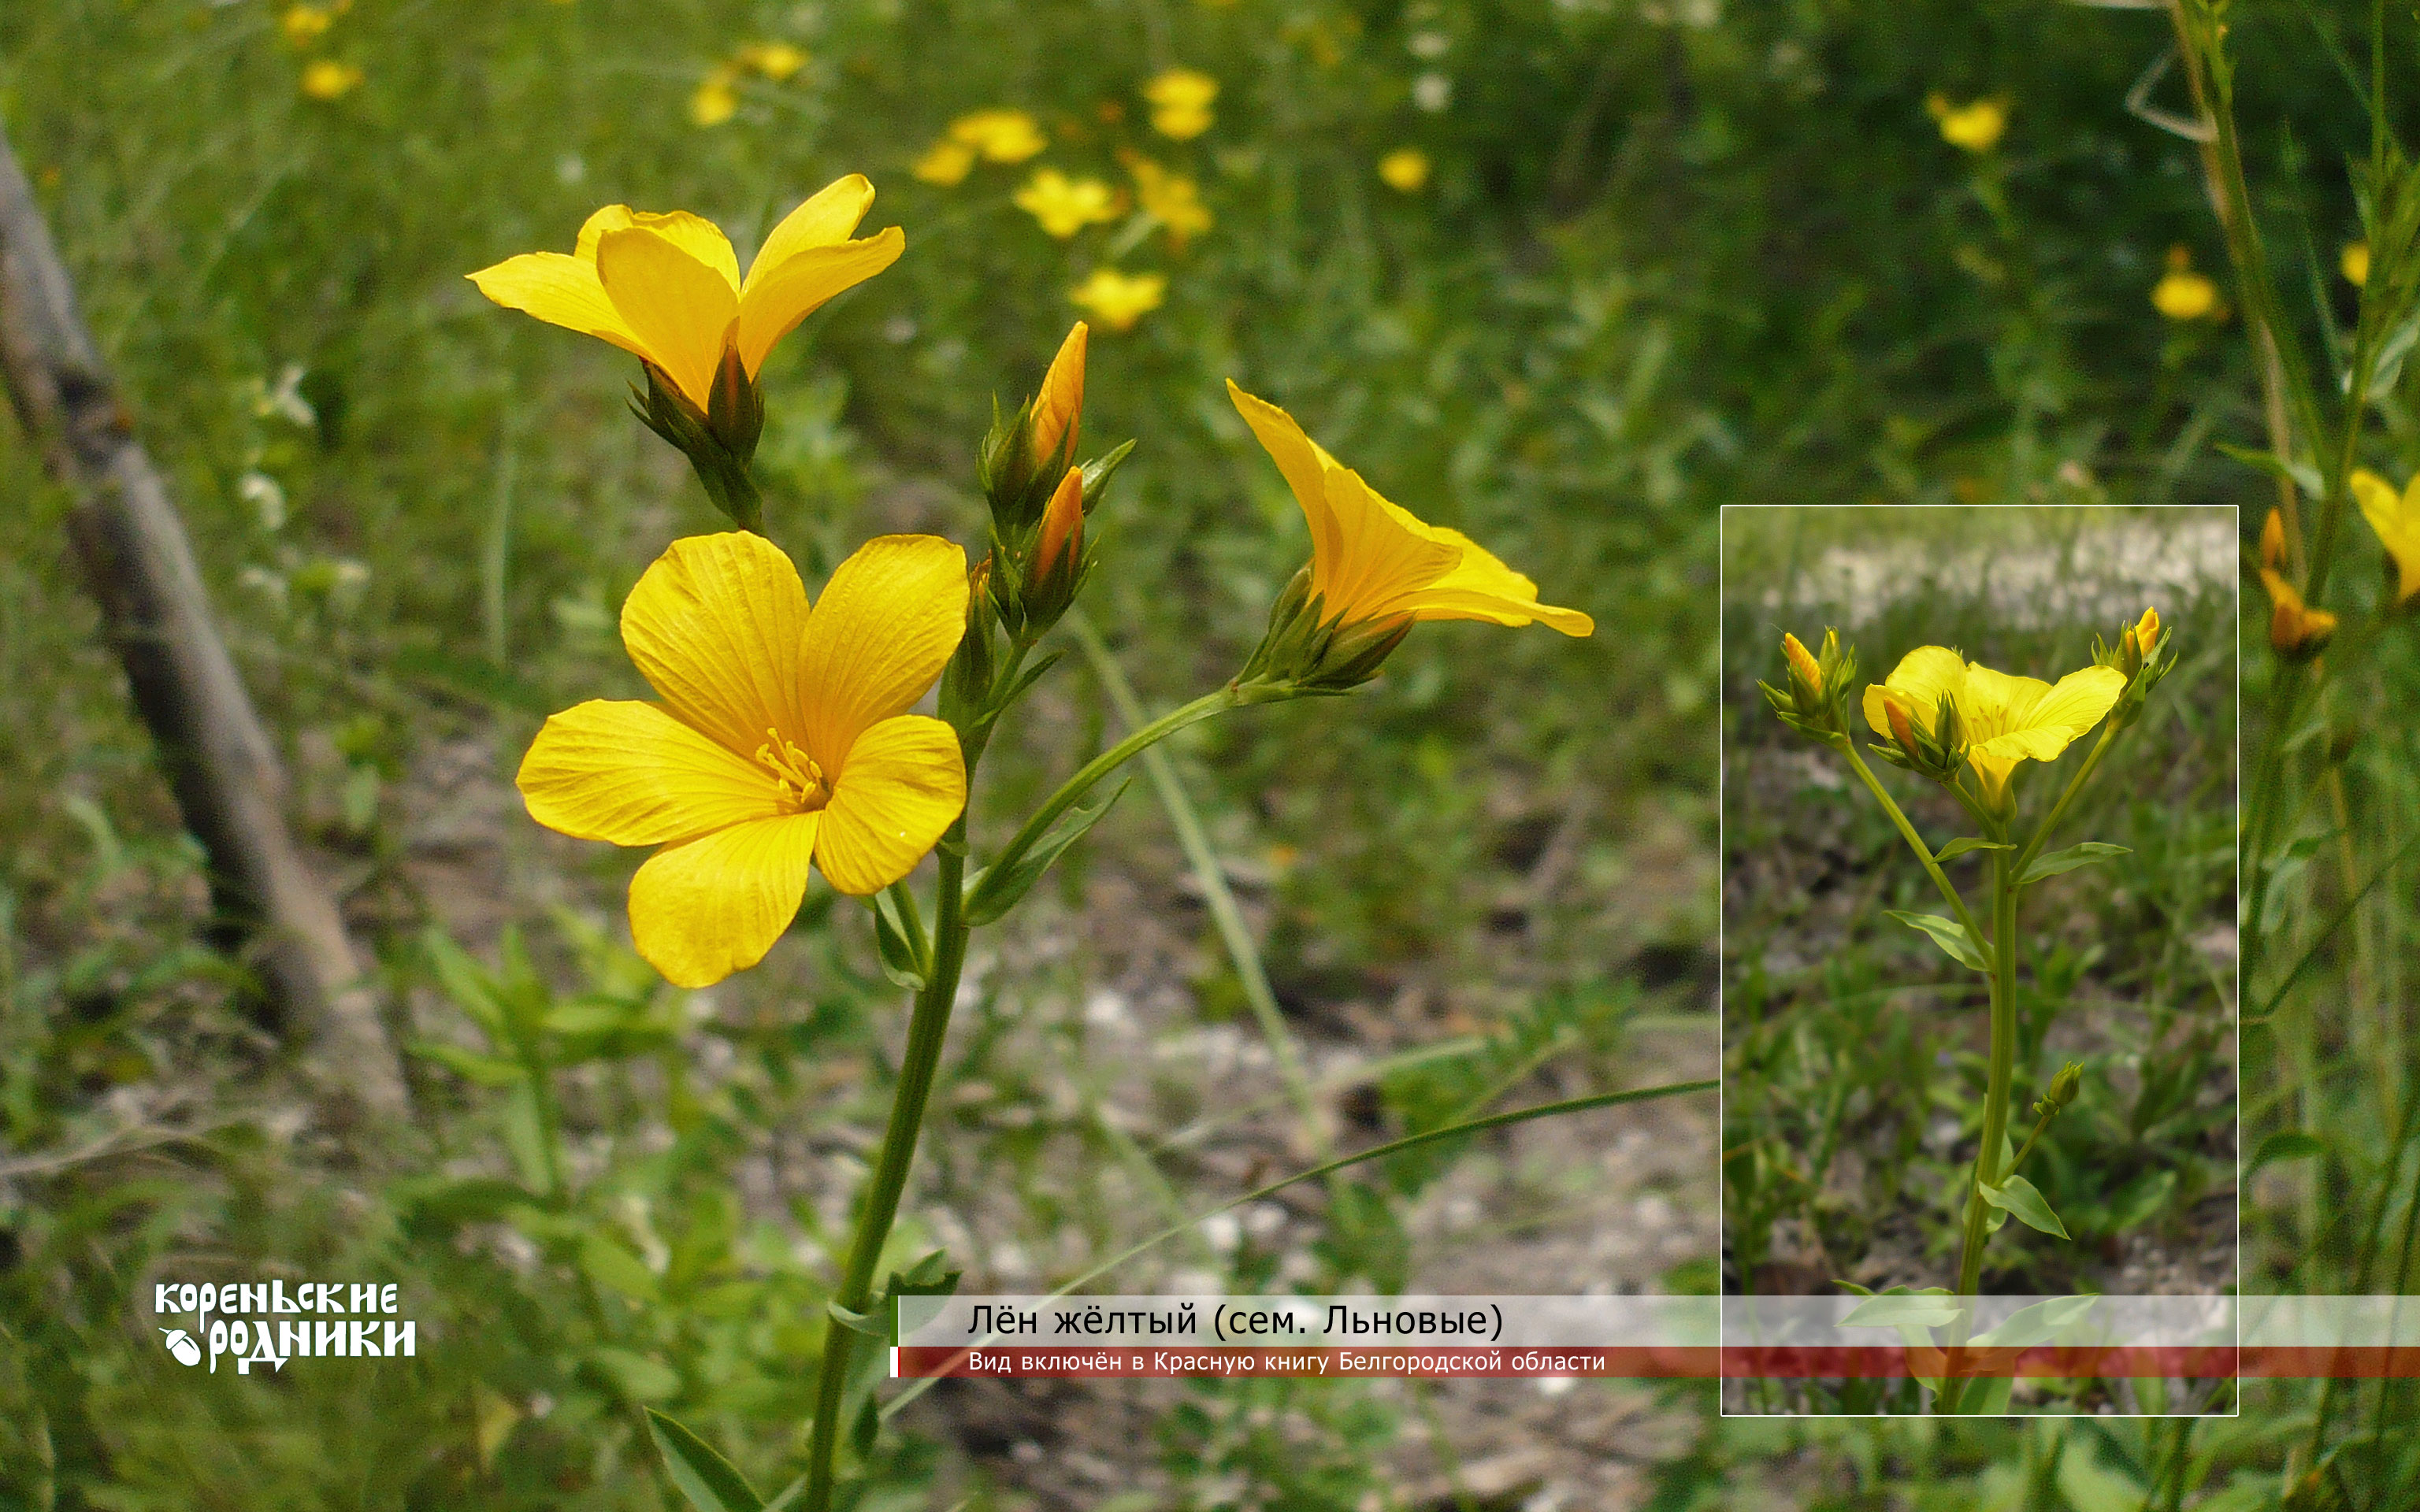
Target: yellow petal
632 775
1299 459
772 308
904 780
695 234
1993 704
1922 679
1482 587
877 639
610 218
710 906
824 219
680 308
560 291
2078 702
2377 497
715 625
1382 555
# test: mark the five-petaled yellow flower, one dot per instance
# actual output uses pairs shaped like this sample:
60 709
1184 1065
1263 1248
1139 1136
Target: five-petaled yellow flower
667 287
1180 102
2004 720
783 737
1371 560
1065 206
2396 518
1119 300
2182 294
1000 135
1975 127
1404 170
1172 199
2295 630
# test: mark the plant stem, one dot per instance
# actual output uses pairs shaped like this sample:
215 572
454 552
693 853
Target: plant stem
2058 809
1995 1096
1914 842
926 1027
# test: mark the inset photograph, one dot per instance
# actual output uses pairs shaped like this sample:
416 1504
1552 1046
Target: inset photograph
1980 1004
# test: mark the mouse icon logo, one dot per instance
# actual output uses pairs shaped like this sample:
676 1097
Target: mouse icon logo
181 1345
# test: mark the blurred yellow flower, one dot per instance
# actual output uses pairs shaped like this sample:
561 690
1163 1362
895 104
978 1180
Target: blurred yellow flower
775 61
1973 127
716 100
667 287
782 738
1000 135
2004 720
327 79
1172 199
2396 518
1118 300
2182 294
305 24
2355 264
1406 170
1371 560
944 164
2295 630
1180 102
1065 206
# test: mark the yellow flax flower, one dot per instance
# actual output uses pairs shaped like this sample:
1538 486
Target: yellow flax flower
1000 135
2396 518
1975 127
305 24
1119 300
783 737
2004 720
1172 199
944 164
2354 264
667 287
2295 630
1371 560
1406 170
326 79
717 98
1065 206
2182 294
1180 102
773 61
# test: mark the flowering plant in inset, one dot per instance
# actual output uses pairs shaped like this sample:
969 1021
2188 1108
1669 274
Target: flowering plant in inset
782 741
1970 730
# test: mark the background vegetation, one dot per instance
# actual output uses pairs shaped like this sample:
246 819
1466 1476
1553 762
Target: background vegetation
1668 255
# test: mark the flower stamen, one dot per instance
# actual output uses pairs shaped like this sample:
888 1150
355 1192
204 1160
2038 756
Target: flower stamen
794 773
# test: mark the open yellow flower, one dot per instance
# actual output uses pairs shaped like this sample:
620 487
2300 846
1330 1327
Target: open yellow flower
2004 720
325 79
2396 518
1065 206
783 737
1180 102
1172 199
1404 170
667 287
1000 135
1975 127
2296 630
1119 300
2182 294
1372 560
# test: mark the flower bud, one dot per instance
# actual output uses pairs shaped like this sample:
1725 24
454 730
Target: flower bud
2296 631
1802 667
1902 731
1302 653
2061 1091
967 686
1026 454
718 441
2273 540
1055 569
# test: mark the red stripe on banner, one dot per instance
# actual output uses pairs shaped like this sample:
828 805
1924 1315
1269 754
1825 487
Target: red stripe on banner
1739 1362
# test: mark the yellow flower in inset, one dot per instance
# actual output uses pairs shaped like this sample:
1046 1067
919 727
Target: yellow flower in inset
2396 518
2182 294
1975 127
2002 719
1000 135
2295 630
305 24
1065 206
1372 560
1180 102
944 164
783 737
326 79
716 100
1406 170
2354 262
1119 300
667 287
1172 199
775 61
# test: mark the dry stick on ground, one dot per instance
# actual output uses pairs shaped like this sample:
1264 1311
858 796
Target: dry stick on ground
219 762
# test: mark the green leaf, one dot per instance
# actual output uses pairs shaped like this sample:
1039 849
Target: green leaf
1947 933
465 981
2301 475
995 892
903 954
2033 1325
487 1071
2286 1144
1985 1395
1968 843
2018 1198
2068 859
634 1375
443 1202
871 1322
711 1483
1899 1307
609 1265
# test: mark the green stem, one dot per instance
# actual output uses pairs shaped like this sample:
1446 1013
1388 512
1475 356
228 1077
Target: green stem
2058 809
1914 842
1995 1096
926 1027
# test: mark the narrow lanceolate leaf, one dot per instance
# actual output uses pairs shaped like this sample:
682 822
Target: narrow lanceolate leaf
2068 859
1968 843
996 891
1949 935
2037 1324
2286 1144
1933 1307
2018 1198
711 1483
903 957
